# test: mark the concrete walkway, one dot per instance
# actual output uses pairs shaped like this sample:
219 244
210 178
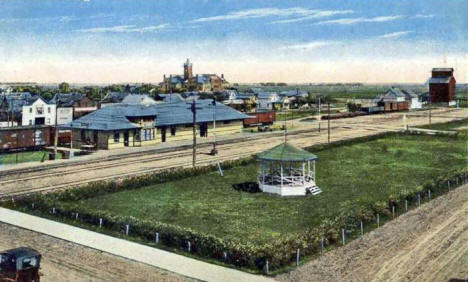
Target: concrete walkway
176 263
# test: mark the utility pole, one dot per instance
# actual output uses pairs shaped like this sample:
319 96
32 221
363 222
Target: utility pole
214 151
56 129
328 123
319 117
193 108
429 114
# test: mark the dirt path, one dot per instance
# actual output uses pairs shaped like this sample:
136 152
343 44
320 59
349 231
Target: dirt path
64 261
426 244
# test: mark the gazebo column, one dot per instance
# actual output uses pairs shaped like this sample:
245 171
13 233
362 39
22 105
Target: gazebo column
308 168
281 174
263 172
303 173
314 169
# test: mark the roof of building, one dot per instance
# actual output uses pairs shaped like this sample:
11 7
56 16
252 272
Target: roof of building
286 152
115 117
442 69
174 79
180 113
409 94
136 99
15 101
108 118
266 95
66 99
439 80
114 97
172 98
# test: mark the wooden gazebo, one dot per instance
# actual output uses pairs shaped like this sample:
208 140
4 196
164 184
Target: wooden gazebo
287 170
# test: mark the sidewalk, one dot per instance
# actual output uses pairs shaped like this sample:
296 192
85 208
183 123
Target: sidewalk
176 263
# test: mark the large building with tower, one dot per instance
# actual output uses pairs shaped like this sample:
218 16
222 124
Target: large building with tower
442 86
190 82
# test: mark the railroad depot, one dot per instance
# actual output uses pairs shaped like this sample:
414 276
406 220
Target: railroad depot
135 125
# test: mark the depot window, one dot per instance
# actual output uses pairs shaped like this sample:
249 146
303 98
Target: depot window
116 137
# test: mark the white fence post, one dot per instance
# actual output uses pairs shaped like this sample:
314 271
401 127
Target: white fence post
322 243
378 220
267 268
189 246
76 216
156 238
127 229
419 200
393 211
343 235
100 222
53 210
429 194
362 229
297 257
406 205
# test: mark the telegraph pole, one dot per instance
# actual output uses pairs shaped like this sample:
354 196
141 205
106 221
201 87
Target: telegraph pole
328 123
214 151
319 117
194 146
56 129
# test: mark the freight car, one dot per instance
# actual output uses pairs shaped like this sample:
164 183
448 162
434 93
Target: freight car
25 138
344 115
394 106
260 119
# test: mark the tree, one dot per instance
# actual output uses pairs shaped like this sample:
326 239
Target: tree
64 87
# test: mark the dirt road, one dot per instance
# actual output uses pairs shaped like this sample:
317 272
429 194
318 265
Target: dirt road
426 244
64 261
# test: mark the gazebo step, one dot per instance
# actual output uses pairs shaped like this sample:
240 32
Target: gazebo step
314 190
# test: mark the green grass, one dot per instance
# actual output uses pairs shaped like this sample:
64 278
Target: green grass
368 172
452 125
22 157
289 115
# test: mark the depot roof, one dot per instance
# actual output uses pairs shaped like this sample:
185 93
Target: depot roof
286 152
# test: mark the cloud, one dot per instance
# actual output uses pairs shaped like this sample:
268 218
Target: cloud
347 21
395 34
265 12
421 16
310 45
126 28
315 15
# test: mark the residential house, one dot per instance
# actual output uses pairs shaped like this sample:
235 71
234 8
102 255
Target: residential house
113 98
11 107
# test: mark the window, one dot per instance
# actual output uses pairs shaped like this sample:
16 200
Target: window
40 110
116 137
173 130
30 110
48 121
48 110
30 122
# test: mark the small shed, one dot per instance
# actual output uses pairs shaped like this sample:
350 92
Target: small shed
287 171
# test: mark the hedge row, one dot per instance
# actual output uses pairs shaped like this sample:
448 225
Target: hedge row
279 253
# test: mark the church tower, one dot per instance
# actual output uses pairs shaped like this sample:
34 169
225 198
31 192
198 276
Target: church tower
188 70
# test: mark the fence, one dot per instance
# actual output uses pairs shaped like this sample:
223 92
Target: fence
274 256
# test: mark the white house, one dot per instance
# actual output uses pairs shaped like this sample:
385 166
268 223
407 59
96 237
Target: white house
38 112
413 99
267 100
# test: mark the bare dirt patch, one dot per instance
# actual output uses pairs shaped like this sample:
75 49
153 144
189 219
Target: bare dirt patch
65 261
426 244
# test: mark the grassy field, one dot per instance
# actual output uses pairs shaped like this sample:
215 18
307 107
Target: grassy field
454 125
22 157
363 172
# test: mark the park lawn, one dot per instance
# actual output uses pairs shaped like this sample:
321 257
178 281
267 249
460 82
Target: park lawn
365 172
22 157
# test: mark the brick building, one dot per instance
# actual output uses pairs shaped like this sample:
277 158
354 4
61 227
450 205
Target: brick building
442 86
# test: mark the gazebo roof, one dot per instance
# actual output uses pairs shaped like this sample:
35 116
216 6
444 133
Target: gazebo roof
287 153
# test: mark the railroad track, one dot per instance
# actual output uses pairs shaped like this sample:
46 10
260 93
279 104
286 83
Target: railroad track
62 186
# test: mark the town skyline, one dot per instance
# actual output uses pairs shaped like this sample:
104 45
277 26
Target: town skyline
101 42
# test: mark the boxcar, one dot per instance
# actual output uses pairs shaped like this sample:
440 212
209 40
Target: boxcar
24 137
260 118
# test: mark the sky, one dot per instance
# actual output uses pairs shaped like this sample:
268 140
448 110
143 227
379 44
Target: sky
313 41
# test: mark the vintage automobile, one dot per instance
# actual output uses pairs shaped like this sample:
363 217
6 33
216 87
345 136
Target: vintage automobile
20 265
